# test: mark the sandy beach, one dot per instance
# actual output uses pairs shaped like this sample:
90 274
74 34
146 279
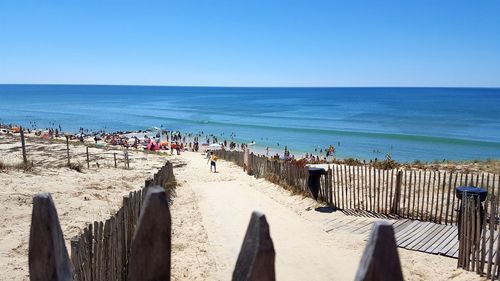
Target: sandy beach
210 216
81 197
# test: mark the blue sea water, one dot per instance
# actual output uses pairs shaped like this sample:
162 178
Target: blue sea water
407 123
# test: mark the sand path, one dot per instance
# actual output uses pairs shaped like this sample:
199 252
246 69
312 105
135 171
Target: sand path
226 200
304 251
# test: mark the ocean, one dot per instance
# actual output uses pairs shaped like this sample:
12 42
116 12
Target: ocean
407 123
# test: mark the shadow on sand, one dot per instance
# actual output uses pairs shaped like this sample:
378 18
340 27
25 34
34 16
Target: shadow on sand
326 209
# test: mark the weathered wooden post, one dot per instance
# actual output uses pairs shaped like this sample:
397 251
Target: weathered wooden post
328 181
88 162
256 258
67 150
246 156
23 144
125 158
128 160
397 193
151 244
75 253
380 260
251 157
114 156
48 257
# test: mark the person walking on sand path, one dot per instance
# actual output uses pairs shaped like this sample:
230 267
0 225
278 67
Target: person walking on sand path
213 158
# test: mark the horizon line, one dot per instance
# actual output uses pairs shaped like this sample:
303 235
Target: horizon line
215 86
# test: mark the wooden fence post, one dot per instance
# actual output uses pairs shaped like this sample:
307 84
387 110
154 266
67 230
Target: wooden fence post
23 144
75 257
127 159
48 257
88 162
250 162
67 150
256 258
380 260
330 189
247 161
397 193
151 245
114 156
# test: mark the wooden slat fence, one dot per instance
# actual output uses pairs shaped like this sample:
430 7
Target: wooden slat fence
101 251
287 174
427 195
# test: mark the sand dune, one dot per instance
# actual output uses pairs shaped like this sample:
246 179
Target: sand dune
92 195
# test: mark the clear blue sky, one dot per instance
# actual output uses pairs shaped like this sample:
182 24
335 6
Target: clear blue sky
251 43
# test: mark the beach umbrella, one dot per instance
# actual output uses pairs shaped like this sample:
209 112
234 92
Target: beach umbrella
215 146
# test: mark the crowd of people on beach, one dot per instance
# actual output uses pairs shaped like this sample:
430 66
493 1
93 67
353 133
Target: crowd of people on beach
163 140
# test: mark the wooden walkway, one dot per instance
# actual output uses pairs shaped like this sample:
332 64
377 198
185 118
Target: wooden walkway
413 235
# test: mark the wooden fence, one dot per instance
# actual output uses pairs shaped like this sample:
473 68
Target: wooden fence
146 255
114 157
426 195
101 251
287 174
479 245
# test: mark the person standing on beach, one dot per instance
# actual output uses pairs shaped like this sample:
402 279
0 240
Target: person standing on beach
213 158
